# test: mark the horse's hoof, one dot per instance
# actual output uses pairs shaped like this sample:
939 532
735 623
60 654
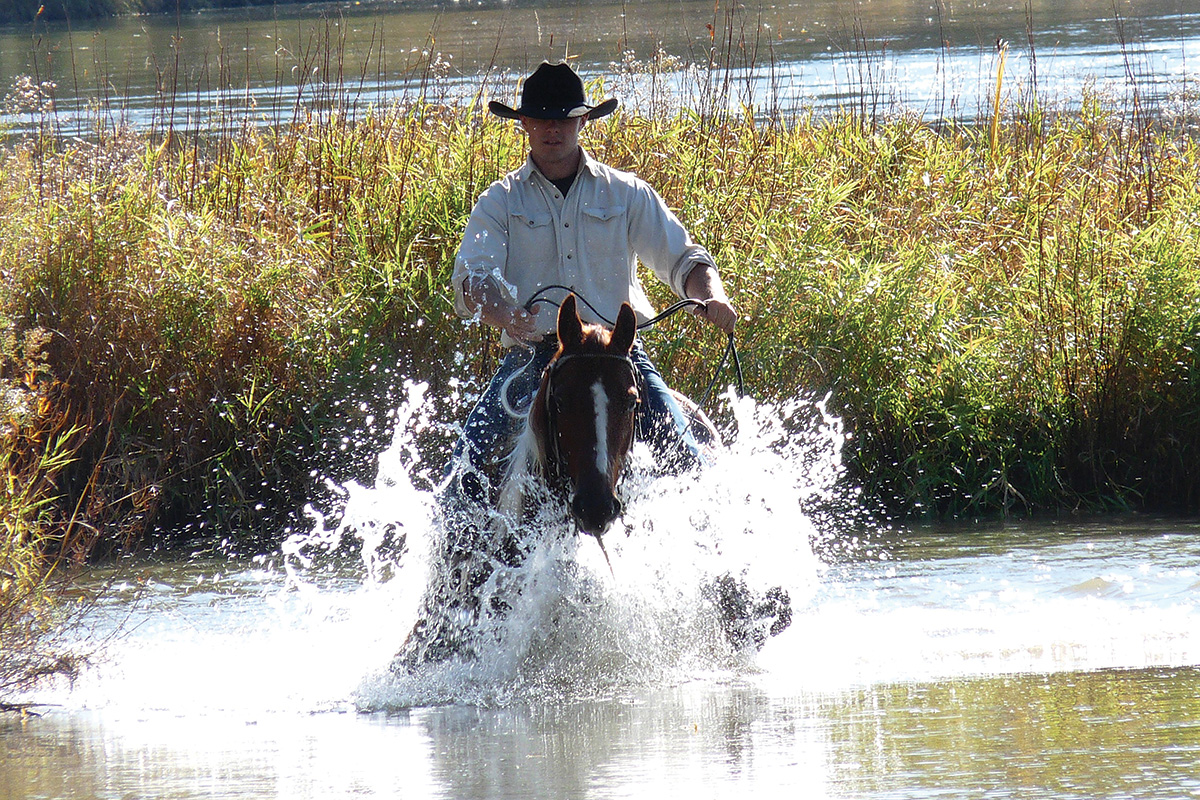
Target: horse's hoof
777 606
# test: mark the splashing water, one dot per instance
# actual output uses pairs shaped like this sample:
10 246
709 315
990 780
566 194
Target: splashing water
317 626
901 673
571 628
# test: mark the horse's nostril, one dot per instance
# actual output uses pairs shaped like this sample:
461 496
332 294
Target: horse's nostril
595 514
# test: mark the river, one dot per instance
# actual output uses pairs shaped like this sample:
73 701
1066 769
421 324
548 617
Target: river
937 58
1048 660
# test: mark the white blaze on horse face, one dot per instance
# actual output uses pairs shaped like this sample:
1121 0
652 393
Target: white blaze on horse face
601 398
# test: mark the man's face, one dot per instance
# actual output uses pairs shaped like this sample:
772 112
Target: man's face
553 141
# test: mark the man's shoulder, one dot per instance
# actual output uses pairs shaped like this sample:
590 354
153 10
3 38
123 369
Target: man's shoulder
601 169
615 177
516 177
506 185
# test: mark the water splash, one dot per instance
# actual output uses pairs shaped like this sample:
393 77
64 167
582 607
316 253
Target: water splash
567 627
317 625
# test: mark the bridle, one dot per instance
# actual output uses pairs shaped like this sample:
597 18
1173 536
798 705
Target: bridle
730 348
555 462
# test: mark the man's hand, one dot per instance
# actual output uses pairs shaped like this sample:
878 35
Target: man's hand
704 284
719 312
513 320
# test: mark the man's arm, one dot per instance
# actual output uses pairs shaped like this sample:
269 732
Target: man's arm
664 245
704 283
481 293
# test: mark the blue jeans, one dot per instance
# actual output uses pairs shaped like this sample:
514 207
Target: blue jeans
490 429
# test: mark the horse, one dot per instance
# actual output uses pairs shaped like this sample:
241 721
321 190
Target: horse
571 453
582 421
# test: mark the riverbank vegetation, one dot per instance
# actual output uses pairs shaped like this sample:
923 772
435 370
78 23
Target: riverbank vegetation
198 326
1006 317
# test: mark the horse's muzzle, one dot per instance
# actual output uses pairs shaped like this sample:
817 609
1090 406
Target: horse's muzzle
595 512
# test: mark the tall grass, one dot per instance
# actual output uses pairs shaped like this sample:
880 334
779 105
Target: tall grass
1005 315
1006 327
33 582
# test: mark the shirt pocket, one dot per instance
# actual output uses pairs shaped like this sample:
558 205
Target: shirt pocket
531 238
605 233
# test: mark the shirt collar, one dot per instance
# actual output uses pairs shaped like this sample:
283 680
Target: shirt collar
586 164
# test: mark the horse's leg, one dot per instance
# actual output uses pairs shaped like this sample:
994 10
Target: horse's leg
746 619
475 541
473 545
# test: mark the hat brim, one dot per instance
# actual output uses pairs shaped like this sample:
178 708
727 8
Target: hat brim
592 112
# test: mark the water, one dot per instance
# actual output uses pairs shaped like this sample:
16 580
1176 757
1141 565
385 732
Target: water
935 58
1056 660
1049 660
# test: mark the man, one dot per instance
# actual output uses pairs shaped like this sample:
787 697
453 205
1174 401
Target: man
564 219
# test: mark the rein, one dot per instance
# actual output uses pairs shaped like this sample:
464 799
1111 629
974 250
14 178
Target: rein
671 310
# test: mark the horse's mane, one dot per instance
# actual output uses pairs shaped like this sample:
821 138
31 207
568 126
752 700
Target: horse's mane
596 339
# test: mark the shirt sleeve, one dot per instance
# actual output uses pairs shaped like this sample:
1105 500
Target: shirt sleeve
484 248
661 241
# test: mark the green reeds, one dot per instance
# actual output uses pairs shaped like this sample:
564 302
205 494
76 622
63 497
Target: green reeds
33 548
1005 328
1005 316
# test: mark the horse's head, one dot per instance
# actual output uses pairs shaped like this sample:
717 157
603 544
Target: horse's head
583 416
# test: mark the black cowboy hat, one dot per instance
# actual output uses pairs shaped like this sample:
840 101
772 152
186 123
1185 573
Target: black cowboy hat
553 91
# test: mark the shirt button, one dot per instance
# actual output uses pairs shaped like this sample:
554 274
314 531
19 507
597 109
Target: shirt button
566 224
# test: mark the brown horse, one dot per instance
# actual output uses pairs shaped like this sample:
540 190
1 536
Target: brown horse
582 419
579 431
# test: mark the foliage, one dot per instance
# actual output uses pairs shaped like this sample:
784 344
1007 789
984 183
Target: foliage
1006 317
31 460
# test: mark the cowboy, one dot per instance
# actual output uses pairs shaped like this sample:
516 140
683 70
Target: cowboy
564 219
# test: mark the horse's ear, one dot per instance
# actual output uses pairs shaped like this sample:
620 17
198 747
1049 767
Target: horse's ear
570 327
625 331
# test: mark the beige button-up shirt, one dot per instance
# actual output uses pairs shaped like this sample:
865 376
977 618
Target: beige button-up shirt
526 235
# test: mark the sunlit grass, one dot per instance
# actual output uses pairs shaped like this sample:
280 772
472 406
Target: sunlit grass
201 324
33 551
1006 317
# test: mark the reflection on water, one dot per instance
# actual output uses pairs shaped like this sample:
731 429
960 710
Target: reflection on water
1022 661
934 58
1074 735
1093 734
